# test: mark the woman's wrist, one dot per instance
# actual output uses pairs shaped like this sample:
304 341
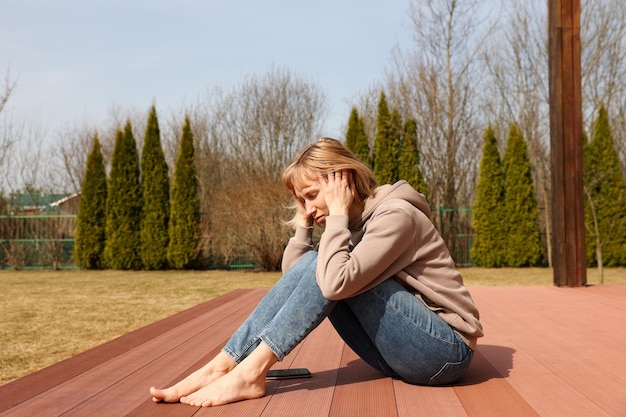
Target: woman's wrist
342 211
305 221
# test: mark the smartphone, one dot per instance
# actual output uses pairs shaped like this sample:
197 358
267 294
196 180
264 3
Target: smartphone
288 373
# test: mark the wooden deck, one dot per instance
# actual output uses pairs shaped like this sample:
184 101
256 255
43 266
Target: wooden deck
547 352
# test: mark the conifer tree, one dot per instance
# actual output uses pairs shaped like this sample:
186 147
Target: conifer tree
185 207
409 159
524 246
385 143
90 221
351 132
490 240
605 202
356 138
124 205
156 198
397 135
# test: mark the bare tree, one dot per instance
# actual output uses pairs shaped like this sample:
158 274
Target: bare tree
438 83
74 142
70 155
603 62
603 55
244 140
268 118
25 165
517 91
6 90
518 86
246 220
594 230
7 141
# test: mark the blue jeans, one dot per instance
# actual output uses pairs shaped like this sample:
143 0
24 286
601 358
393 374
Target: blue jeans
387 326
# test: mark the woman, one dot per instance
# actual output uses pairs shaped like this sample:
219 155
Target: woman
381 274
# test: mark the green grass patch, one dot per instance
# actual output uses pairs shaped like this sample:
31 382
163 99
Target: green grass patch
48 316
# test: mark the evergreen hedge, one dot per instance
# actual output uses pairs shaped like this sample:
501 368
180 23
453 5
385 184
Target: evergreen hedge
185 207
605 193
91 218
156 198
524 246
124 205
409 159
356 138
489 241
385 144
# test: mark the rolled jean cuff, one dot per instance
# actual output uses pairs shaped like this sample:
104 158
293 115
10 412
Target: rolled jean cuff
237 354
279 353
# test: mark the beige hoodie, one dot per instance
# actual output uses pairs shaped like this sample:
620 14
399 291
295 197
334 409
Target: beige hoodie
394 237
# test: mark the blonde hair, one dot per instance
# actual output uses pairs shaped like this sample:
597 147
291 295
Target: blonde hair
329 155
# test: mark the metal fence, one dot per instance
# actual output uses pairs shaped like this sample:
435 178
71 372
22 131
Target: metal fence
47 241
455 226
37 241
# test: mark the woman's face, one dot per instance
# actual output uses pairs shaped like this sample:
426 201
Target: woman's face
310 195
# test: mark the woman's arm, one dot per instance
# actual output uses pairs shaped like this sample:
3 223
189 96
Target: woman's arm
298 245
387 246
389 233
302 240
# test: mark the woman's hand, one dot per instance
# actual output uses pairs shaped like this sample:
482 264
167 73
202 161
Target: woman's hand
303 219
337 192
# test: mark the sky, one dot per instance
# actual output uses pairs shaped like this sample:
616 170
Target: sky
74 60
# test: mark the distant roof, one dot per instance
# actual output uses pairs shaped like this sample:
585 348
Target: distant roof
40 202
63 200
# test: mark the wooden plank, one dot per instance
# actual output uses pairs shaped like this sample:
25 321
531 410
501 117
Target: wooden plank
485 393
251 408
321 352
547 351
131 391
612 295
540 387
362 391
309 396
414 400
89 386
29 386
190 343
554 372
570 318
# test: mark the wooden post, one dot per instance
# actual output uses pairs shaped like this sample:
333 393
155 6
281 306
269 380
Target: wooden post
568 227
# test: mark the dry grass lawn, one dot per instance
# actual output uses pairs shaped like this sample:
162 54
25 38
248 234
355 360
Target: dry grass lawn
48 316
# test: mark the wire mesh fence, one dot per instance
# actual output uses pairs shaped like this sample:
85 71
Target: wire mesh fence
37 241
456 229
47 241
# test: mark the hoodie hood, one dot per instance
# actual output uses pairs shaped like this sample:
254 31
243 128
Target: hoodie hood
401 190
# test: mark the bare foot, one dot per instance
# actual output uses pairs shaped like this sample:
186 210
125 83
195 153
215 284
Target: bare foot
237 385
245 382
219 366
